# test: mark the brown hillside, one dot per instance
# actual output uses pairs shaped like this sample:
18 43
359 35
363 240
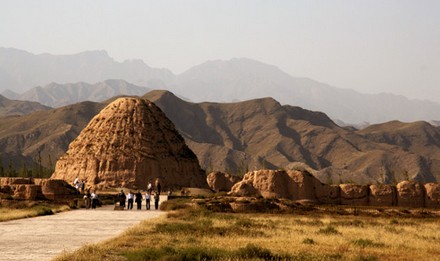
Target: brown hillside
13 107
50 132
419 137
255 134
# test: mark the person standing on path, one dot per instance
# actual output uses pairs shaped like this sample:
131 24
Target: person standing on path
156 200
94 197
147 200
83 186
76 184
88 199
138 200
158 186
149 187
121 198
130 198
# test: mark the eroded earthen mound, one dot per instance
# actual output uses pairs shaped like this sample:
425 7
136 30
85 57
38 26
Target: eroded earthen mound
129 143
220 181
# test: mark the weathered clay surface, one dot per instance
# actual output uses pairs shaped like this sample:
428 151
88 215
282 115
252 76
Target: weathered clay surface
129 143
352 194
220 181
35 189
27 191
328 194
432 197
382 195
15 181
410 194
293 184
56 188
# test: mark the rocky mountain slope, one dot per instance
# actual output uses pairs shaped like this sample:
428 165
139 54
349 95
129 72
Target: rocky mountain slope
261 133
15 107
254 134
44 134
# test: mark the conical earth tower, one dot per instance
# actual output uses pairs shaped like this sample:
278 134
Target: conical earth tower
129 143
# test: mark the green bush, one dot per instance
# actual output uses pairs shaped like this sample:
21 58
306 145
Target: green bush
43 211
329 230
308 241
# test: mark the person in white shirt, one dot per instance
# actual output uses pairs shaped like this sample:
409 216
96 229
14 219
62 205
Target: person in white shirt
130 198
147 200
94 197
149 188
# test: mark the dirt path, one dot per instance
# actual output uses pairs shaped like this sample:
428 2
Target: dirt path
43 238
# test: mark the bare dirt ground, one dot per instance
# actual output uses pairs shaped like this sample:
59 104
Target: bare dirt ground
43 238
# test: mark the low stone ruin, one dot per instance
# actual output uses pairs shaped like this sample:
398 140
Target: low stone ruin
35 189
303 186
219 181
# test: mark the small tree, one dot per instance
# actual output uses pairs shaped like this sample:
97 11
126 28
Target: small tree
10 172
2 170
24 172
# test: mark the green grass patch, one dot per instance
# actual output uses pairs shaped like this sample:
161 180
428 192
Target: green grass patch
249 252
329 230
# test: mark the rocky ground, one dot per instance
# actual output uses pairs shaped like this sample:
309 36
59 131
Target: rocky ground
43 238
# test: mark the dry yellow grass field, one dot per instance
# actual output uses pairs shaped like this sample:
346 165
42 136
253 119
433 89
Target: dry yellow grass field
7 214
197 234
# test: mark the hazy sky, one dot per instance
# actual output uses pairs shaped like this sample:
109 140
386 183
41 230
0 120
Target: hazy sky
369 46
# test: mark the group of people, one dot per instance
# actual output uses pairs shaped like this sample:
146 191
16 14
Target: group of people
79 185
92 200
131 197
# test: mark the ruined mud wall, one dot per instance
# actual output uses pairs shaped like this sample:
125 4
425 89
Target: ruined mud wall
301 185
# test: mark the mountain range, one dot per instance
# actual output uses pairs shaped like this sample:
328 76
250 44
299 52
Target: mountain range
237 79
254 134
57 95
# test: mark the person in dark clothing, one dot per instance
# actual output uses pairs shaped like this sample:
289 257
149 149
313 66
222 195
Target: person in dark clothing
138 200
94 197
88 199
122 198
156 200
158 186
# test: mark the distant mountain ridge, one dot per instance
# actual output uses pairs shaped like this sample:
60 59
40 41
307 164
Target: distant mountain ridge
21 70
57 95
244 79
237 79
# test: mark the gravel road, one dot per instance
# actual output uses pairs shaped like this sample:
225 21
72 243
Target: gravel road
43 238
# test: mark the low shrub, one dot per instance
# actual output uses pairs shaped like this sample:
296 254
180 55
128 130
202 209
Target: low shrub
329 230
366 243
175 204
308 241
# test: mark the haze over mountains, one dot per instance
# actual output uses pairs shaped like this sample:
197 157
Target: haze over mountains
57 95
217 81
253 134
